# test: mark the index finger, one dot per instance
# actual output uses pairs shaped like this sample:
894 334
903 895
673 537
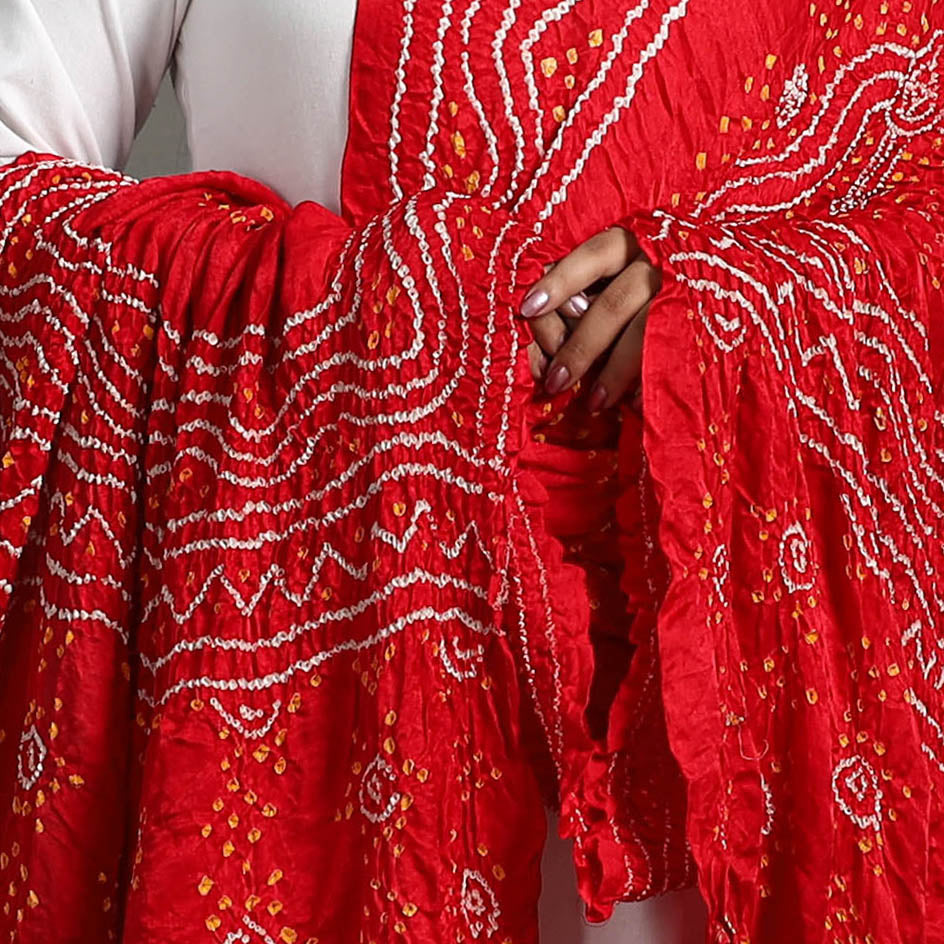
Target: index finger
603 255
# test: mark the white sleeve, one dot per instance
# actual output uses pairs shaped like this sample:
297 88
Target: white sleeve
78 77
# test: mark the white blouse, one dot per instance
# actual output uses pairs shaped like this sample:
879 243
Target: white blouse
263 83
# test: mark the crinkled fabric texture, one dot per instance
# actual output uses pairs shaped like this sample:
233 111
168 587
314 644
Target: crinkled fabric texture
310 596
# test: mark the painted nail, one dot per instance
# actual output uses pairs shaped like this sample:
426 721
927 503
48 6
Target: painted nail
557 379
573 308
533 304
597 398
636 405
579 302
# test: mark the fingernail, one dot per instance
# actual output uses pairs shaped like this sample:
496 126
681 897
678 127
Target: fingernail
557 379
597 398
579 302
636 405
533 304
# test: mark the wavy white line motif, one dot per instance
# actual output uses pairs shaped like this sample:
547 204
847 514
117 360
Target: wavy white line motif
285 543
911 106
908 97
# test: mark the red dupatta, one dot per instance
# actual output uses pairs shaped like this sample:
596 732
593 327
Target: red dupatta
310 595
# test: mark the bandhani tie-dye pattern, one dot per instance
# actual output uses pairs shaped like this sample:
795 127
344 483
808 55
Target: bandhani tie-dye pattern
311 596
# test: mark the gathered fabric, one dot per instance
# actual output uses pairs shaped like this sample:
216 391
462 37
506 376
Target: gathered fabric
310 596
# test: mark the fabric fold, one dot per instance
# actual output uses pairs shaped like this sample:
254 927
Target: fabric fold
311 597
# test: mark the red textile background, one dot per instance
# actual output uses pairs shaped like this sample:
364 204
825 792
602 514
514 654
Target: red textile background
310 596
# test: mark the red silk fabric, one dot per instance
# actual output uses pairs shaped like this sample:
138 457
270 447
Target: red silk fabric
310 596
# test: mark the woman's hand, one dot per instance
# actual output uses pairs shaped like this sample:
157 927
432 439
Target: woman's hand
615 317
